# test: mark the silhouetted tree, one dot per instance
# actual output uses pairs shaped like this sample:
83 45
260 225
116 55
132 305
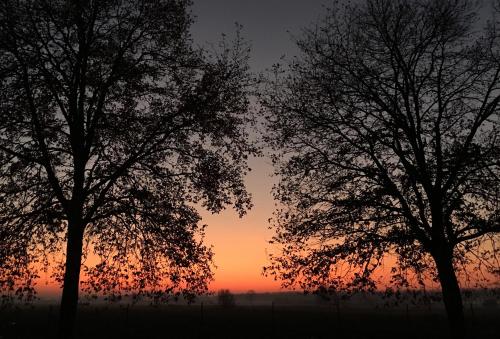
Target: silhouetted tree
225 298
112 129
387 137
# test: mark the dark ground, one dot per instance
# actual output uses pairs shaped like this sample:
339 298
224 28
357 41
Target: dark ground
210 321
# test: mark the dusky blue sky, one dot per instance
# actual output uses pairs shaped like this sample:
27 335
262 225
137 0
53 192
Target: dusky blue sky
267 24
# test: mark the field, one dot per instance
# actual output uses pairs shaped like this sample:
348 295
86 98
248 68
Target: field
259 321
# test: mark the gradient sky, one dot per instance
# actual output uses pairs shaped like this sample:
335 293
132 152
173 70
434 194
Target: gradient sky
240 245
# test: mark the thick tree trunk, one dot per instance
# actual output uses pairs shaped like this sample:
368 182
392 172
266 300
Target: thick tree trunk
69 300
451 296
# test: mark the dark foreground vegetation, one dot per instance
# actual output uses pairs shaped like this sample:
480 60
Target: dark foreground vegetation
249 321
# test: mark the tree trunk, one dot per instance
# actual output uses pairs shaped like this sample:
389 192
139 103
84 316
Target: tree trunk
451 296
69 300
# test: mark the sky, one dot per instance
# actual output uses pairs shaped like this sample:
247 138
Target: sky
241 245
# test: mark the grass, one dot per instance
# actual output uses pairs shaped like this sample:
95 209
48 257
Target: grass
210 321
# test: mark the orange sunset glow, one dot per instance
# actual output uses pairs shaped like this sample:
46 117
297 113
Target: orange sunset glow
240 245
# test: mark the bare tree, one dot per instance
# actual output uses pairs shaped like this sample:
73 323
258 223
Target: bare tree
386 131
112 129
